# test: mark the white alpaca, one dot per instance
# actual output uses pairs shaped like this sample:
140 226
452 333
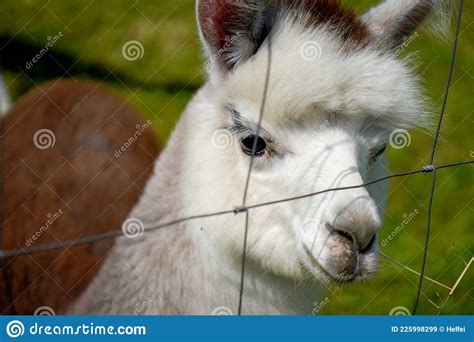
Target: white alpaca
335 93
4 97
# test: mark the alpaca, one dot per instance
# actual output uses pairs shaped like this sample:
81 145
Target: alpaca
4 97
335 92
64 183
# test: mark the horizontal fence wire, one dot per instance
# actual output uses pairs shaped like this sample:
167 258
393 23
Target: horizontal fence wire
148 227
151 227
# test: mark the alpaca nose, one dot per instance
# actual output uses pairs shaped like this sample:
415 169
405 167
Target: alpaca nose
352 241
357 223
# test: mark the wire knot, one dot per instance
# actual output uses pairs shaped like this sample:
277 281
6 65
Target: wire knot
428 168
240 209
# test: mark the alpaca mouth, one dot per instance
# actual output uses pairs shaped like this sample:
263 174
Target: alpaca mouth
353 268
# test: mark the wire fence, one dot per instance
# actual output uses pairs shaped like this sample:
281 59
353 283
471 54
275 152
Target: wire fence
244 208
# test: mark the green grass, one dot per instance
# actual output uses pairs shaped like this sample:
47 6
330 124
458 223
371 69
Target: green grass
160 84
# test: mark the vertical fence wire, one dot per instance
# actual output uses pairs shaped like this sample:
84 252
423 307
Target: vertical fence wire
432 156
249 173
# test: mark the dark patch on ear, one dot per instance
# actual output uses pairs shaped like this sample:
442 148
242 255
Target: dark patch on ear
232 29
391 24
406 25
262 26
344 21
235 30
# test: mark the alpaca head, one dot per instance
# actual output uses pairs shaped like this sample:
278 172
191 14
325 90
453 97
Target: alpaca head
335 93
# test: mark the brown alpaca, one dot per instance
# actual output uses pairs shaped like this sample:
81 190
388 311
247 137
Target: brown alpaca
80 185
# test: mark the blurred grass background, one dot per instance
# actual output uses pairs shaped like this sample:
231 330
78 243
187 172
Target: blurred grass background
160 84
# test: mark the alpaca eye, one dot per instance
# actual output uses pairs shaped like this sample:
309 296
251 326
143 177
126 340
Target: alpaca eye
247 144
378 153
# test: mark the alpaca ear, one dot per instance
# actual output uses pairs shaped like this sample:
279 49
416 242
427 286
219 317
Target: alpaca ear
231 30
393 21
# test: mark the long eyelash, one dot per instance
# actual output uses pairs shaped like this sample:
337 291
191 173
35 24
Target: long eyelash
377 154
243 128
239 129
380 152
